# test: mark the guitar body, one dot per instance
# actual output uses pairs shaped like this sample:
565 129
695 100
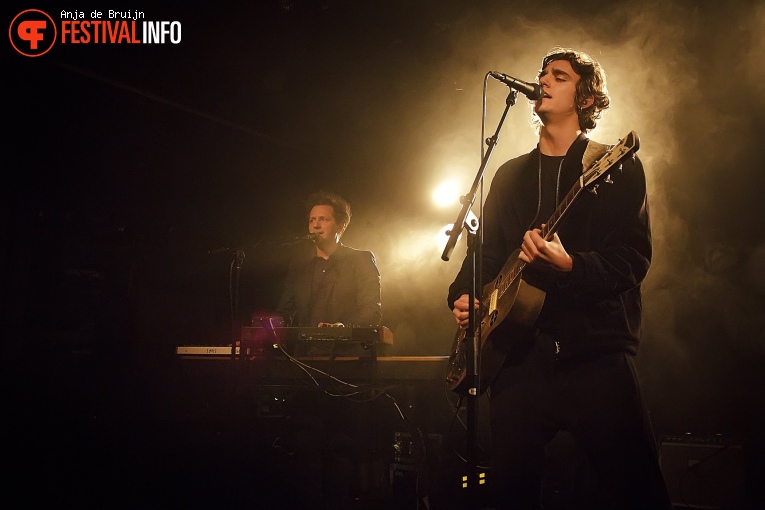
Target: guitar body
510 309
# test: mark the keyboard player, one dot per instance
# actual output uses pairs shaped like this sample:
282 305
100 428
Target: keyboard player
329 283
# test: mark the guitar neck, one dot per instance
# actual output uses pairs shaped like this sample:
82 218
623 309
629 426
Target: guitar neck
551 226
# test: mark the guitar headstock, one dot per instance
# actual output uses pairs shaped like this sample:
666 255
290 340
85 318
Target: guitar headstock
627 146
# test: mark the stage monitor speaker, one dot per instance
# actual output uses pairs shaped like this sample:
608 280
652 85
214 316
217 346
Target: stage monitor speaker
703 472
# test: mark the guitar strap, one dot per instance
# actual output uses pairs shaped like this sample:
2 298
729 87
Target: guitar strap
592 153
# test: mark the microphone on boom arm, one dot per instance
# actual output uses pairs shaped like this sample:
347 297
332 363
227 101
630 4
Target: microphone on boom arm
531 90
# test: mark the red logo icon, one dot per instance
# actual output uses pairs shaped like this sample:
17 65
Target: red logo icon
32 33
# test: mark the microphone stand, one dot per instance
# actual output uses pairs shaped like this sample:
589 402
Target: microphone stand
233 283
467 220
236 269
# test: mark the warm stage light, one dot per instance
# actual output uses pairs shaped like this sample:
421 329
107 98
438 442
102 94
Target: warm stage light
447 193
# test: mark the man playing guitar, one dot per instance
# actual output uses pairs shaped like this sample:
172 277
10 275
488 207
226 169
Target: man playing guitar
572 368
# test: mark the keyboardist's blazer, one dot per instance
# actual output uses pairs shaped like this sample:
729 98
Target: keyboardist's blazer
351 290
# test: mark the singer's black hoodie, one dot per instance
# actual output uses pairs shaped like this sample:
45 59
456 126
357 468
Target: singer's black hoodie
596 308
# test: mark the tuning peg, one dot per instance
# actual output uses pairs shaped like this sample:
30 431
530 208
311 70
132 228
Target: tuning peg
608 180
633 155
594 189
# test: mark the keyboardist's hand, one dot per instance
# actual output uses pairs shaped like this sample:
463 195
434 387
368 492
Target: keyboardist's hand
331 325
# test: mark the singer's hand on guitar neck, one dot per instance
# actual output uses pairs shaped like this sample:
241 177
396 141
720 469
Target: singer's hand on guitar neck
545 254
461 310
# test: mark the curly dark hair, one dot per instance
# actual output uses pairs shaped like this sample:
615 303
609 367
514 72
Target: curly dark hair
340 207
592 83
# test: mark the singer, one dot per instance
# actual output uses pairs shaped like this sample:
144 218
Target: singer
573 371
330 283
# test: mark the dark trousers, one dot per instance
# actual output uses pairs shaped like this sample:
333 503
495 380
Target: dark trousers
598 401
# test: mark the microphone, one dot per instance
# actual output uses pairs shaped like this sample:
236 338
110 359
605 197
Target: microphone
313 236
531 90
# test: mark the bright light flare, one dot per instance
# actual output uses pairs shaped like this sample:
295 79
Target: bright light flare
447 193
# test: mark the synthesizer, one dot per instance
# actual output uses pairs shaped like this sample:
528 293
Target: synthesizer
330 341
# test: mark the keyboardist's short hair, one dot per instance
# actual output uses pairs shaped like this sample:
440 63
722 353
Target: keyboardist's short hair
340 207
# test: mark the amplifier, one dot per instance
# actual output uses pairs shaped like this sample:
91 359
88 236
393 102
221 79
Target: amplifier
704 472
